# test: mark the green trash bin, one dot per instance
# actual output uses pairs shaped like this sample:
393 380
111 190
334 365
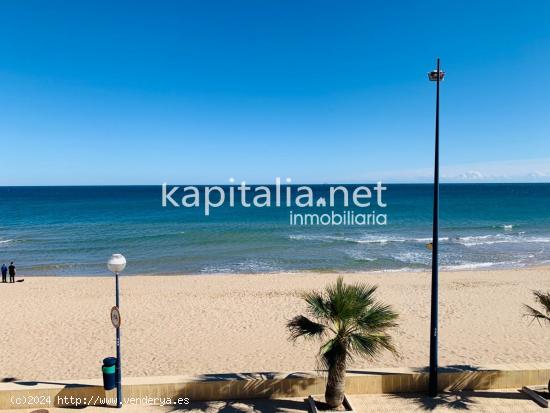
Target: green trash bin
109 373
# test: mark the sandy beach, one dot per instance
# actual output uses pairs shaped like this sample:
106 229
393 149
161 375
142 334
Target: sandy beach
59 327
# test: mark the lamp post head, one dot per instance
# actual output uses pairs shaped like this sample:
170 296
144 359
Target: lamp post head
433 75
116 263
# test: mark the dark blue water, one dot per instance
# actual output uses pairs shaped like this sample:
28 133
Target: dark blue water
73 230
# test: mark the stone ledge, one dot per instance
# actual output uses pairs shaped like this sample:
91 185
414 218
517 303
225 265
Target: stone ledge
270 385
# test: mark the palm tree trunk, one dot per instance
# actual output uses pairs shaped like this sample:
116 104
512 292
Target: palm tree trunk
336 383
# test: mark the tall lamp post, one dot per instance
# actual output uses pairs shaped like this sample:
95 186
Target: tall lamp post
116 264
435 76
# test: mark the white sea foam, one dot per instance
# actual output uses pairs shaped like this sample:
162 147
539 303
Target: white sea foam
213 269
335 238
404 269
359 256
412 257
255 266
499 239
5 241
475 265
468 266
362 239
246 266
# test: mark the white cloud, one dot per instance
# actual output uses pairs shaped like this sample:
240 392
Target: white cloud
538 174
471 175
529 170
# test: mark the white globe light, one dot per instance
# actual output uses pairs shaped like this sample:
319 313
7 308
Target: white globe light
116 263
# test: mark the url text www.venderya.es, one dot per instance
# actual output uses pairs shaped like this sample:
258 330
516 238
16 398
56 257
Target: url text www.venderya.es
107 401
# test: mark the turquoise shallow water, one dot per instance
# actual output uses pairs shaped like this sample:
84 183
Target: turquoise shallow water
72 231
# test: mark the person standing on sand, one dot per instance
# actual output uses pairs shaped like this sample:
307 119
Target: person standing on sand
4 272
11 270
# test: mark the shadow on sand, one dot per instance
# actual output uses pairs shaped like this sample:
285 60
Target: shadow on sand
66 391
8 379
456 400
262 383
250 405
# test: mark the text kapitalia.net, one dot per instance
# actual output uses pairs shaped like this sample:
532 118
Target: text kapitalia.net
262 196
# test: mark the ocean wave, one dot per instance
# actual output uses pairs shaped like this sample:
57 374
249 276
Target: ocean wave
5 241
359 256
412 257
325 238
214 269
451 262
468 266
491 239
57 267
362 239
403 269
246 266
506 227
371 239
476 265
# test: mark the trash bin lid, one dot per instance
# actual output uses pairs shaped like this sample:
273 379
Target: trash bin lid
109 361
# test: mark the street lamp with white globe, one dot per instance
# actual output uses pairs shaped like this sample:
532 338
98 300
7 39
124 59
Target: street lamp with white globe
116 264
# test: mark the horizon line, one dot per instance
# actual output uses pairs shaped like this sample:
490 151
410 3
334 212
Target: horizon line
282 184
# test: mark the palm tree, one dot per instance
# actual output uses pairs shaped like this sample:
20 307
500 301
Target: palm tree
544 300
350 323
543 317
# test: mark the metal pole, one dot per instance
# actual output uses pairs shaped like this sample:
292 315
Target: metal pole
435 262
118 374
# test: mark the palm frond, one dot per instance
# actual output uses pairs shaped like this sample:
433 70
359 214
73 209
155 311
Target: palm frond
316 305
543 298
376 318
536 315
346 302
301 326
370 345
364 292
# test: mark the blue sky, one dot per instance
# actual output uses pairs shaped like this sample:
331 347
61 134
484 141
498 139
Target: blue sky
198 92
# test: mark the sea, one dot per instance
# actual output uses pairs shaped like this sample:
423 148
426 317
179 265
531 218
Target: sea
72 231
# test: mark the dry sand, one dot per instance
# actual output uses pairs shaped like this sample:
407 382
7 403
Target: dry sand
59 327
